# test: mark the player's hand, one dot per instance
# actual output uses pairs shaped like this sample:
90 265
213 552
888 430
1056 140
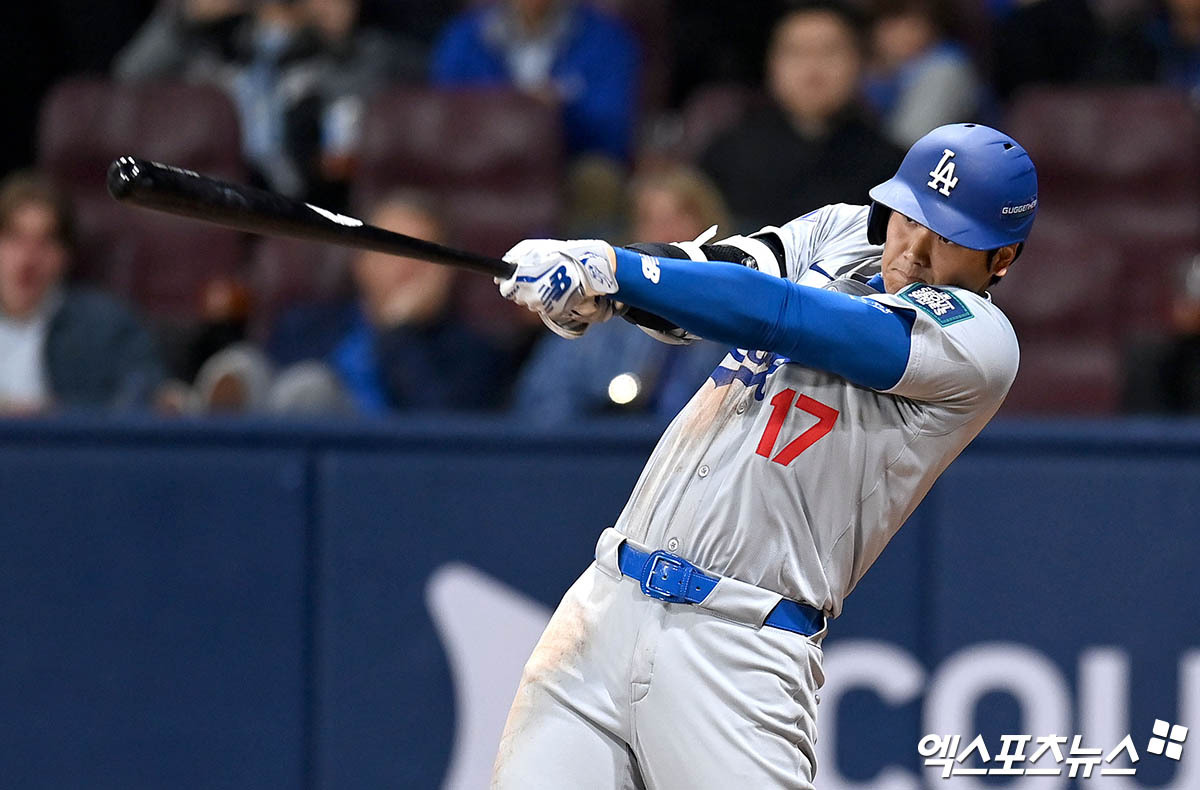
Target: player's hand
573 326
567 283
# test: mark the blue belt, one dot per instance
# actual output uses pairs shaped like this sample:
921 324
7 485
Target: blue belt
671 578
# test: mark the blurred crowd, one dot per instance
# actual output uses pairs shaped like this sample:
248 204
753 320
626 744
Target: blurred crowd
479 123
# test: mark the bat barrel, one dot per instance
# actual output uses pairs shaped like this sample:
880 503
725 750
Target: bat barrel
121 175
182 192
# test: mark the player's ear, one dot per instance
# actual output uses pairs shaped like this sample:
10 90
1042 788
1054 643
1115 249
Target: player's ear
1001 259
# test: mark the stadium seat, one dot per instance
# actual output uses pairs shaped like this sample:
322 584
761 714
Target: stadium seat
1122 159
1141 138
161 263
493 157
1150 277
1066 378
85 120
1118 170
1063 284
1064 299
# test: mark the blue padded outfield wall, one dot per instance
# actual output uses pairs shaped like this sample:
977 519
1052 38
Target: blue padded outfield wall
270 606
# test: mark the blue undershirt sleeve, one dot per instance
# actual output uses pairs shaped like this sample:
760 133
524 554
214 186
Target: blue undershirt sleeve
864 342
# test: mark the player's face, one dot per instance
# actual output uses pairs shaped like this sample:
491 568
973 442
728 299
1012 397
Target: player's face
32 259
913 253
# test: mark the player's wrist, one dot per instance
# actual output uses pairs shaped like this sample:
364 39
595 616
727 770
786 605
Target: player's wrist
631 268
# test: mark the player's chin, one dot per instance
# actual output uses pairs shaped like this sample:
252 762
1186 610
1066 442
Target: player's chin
894 281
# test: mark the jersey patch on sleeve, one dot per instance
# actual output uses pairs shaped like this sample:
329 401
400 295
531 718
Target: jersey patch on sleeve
942 306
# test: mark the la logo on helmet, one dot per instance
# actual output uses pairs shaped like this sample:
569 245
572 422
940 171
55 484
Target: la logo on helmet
942 177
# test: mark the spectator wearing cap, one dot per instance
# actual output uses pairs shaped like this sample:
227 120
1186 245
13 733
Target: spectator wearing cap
61 346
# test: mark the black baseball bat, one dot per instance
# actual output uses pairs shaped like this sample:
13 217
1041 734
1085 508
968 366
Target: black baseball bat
175 190
187 193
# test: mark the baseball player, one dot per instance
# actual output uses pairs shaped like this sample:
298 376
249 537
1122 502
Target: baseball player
689 654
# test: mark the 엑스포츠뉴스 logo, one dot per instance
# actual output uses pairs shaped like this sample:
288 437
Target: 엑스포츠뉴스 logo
1048 755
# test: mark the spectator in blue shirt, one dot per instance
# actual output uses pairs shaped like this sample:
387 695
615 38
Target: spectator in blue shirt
561 51
395 345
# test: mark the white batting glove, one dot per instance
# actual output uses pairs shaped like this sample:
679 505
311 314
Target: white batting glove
567 283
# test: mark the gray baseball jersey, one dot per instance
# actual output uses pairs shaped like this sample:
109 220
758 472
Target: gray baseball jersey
792 479
787 481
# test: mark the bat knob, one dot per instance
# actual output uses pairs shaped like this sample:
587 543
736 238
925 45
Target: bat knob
122 175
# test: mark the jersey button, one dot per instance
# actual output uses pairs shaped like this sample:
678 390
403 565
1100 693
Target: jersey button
703 470
741 408
672 544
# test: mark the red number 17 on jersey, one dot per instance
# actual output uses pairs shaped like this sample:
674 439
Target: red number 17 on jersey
780 404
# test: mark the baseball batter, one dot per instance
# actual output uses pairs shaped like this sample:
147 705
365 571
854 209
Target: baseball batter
689 654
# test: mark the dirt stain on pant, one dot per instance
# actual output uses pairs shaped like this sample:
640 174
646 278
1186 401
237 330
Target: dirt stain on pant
558 648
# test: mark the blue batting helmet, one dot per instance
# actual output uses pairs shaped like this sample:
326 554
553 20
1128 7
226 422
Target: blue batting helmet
971 184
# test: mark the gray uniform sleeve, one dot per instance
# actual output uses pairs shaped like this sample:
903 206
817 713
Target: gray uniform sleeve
828 243
963 351
814 250
821 246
